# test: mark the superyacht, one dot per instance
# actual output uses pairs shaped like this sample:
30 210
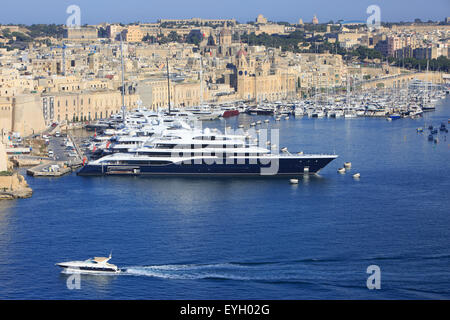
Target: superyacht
205 152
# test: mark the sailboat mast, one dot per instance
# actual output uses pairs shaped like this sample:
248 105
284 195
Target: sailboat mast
201 81
123 79
168 82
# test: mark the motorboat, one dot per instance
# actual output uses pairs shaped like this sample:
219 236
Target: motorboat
93 265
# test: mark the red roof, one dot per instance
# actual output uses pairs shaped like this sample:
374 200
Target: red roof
241 52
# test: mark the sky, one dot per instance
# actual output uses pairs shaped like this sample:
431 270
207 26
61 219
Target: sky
126 11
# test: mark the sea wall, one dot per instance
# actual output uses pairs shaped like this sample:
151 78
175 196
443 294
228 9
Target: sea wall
13 187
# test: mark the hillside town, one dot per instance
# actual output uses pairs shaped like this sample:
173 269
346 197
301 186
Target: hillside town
74 74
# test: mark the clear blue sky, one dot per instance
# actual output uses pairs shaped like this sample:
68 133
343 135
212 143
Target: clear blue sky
97 11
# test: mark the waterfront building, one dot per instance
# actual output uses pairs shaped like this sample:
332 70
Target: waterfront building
83 105
154 93
22 114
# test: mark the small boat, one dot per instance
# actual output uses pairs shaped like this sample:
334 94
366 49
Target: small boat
419 129
266 121
357 175
293 181
347 165
434 131
258 122
286 118
93 265
229 112
341 170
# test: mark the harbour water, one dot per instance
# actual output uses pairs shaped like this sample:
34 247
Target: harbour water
229 238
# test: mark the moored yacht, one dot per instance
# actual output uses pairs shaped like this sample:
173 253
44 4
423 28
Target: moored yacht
205 152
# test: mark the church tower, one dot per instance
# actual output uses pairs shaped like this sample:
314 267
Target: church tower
242 74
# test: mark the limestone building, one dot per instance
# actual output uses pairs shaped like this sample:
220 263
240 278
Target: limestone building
83 105
81 33
260 79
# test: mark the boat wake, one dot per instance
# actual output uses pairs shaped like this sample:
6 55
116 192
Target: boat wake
219 271
308 271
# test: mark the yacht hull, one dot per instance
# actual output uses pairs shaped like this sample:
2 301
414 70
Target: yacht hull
284 166
230 113
89 271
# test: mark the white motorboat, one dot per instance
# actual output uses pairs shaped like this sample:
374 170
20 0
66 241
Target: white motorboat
93 265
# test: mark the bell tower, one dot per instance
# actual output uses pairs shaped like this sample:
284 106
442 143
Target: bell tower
243 74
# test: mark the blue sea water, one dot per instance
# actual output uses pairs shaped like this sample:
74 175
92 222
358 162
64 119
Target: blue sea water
230 238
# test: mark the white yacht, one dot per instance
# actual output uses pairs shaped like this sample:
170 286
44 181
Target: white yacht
93 265
190 151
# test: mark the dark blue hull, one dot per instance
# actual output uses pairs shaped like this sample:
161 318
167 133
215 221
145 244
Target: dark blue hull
285 166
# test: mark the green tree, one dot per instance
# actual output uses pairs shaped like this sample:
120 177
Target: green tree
173 36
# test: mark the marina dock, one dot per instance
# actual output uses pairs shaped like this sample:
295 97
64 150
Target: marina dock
60 164
52 169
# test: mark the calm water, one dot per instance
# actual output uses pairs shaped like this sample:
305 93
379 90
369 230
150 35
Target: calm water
223 238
